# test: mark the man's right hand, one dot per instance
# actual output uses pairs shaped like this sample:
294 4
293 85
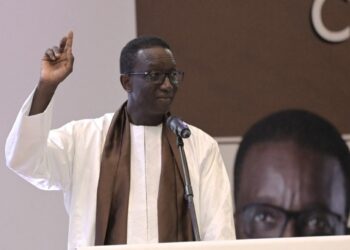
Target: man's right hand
57 62
56 65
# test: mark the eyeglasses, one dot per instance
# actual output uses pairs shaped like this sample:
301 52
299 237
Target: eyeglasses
266 221
157 77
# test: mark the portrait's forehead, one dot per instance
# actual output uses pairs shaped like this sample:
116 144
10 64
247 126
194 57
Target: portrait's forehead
286 174
287 156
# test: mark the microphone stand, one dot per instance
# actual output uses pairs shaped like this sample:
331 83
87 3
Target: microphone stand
188 188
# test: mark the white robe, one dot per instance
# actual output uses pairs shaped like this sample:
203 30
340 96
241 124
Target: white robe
68 159
145 169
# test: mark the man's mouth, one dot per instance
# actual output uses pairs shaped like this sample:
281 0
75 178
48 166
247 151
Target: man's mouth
165 97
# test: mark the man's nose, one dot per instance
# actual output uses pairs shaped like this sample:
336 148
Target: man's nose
289 229
166 83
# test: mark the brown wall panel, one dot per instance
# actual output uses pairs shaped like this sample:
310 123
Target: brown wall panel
247 58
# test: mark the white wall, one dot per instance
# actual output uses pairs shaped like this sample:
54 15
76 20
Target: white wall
29 218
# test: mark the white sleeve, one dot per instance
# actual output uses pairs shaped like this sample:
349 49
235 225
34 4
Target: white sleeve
40 156
215 197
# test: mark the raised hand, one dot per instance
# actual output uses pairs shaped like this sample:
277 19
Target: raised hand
56 65
57 62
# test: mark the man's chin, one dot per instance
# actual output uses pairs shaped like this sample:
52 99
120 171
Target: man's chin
164 104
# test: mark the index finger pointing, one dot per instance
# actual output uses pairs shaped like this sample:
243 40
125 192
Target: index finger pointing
69 41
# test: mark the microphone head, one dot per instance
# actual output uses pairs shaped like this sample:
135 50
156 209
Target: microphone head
179 127
185 133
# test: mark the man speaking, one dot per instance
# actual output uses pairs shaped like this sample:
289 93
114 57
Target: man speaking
121 173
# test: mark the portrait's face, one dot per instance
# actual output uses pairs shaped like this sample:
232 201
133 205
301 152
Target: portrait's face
287 190
146 97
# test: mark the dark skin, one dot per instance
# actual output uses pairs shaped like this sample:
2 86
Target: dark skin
293 178
147 103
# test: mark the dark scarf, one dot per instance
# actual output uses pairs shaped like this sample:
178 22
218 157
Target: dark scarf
174 222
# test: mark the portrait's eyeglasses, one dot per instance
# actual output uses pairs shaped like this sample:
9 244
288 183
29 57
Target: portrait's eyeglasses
266 221
157 77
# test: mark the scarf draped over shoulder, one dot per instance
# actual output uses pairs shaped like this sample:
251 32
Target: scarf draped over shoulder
174 222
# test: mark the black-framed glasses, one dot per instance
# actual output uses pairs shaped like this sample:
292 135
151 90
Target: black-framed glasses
266 221
157 77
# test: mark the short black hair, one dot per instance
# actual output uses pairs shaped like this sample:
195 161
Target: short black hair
128 53
303 127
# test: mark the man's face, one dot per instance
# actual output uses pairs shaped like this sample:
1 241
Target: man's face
146 98
286 190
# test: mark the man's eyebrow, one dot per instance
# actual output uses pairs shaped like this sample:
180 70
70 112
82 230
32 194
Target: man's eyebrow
265 200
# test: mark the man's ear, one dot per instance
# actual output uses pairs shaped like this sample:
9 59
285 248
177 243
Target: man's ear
125 81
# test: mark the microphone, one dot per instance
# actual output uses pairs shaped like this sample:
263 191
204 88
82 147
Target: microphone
178 126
